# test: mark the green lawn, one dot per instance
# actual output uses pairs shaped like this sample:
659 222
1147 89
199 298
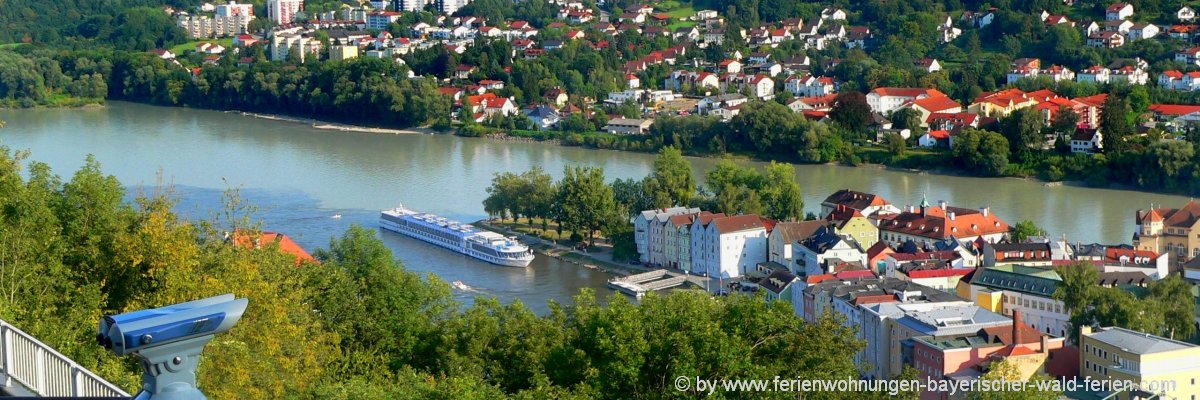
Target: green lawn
191 46
680 24
681 12
9 46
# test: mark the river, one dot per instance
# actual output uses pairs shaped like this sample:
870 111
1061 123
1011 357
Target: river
300 177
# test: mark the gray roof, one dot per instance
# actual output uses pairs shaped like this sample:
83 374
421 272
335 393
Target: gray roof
664 213
824 239
778 281
1138 342
952 318
542 111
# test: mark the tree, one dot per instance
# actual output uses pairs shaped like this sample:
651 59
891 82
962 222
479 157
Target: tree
1023 129
895 144
984 152
782 194
1114 123
538 195
1077 291
1006 371
1024 230
1065 121
1173 297
585 201
504 195
673 182
630 195
851 111
906 118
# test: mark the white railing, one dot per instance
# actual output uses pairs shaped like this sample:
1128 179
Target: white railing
46 372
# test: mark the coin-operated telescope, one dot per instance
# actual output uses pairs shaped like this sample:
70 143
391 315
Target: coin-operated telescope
168 341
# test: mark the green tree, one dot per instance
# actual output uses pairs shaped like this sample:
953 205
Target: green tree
1173 297
1077 291
983 152
538 195
672 180
585 201
1023 129
906 118
781 193
1024 230
1114 123
504 195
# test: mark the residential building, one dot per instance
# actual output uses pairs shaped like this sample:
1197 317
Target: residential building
303 46
1001 103
865 203
1032 254
809 86
887 99
1106 39
1142 31
643 221
967 356
342 53
200 26
734 245
380 20
1118 11
628 126
1185 14
1175 231
1114 353
542 116
935 322
941 270
1094 74
284 11
784 237
825 252
850 223
935 104
928 225
1016 288
449 7
1190 56
1086 141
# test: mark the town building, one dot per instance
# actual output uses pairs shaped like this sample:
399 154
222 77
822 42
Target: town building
1174 231
733 245
783 240
1115 353
283 12
1015 288
865 203
826 252
644 220
930 224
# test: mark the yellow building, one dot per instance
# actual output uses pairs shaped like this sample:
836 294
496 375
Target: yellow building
1169 230
342 53
1170 367
848 222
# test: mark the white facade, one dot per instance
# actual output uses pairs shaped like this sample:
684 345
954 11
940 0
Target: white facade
730 254
284 11
812 263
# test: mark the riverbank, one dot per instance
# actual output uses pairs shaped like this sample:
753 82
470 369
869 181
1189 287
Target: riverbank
325 125
549 248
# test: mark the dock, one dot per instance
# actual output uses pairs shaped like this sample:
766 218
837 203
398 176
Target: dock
640 284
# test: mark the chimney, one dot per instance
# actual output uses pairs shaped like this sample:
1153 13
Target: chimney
942 204
950 215
1045 344
1016 327
985 211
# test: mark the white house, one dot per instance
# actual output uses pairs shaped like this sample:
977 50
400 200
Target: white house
1086 141
822 251
1142 31
1189 56
887 99
1093 74
783 240
809 86
733 245
1185 14
1118 11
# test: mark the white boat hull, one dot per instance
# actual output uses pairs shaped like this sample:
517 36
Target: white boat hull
456 247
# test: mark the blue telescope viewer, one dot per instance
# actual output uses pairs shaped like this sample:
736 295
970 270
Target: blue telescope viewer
168 341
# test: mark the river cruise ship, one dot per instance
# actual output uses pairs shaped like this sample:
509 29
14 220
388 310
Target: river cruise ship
456 236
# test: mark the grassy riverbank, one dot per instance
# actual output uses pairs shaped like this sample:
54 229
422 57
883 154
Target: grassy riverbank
551 243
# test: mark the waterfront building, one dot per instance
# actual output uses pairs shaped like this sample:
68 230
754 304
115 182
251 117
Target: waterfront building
1169 230
1122 354
1027 254
931 224
643 222
734 245
866 204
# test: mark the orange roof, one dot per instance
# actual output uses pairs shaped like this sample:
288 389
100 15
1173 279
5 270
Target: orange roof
1173 109
285 243
937 103
907 92
939 134
1094 101
934 222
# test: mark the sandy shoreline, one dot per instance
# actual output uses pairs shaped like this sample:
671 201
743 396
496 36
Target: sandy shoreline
318 124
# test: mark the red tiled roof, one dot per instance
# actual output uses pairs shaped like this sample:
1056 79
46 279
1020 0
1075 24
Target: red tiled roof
907 92
285 243
934 222
1173 109
937 103
938 273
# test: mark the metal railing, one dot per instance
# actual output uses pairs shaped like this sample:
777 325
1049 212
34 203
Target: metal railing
46 372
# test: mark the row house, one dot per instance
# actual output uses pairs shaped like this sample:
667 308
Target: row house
643 222
941 270
785 238
810 86
759 86
728 247
1094 74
